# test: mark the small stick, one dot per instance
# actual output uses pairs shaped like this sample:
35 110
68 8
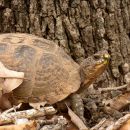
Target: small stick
96 127
112 88
6 118
119 123
12 109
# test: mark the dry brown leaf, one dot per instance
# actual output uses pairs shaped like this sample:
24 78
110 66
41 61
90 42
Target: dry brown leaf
120 101
11 84
12 78
76 120
71 126
126 126
27 126
121 124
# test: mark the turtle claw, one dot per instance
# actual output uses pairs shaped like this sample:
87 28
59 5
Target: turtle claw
37 105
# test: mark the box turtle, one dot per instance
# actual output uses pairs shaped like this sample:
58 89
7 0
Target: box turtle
51 75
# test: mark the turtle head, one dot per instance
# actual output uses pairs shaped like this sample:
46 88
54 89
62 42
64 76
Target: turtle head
93 66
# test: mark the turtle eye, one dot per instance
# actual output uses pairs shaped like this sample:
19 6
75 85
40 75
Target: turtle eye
97 57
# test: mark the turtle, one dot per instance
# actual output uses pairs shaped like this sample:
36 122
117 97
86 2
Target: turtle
51 75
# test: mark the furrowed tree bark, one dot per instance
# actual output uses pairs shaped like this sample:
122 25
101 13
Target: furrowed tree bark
81 27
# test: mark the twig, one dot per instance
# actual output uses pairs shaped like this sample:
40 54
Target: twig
119 123
96 127
6 118
61 124
12 109
112 88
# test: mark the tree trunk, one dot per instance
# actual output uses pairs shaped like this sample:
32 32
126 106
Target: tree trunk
81 27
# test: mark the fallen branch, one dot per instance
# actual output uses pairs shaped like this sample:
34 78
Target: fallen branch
6 118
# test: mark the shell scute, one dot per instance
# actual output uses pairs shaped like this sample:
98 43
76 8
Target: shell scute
51 77
24 51
3 48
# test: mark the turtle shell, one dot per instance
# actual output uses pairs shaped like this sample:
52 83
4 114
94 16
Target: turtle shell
50 74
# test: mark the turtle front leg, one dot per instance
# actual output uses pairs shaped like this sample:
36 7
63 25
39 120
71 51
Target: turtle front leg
77 106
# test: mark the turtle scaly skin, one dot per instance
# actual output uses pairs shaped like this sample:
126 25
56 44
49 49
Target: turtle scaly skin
51 75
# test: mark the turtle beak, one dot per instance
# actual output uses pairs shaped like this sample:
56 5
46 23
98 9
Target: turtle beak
106 58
